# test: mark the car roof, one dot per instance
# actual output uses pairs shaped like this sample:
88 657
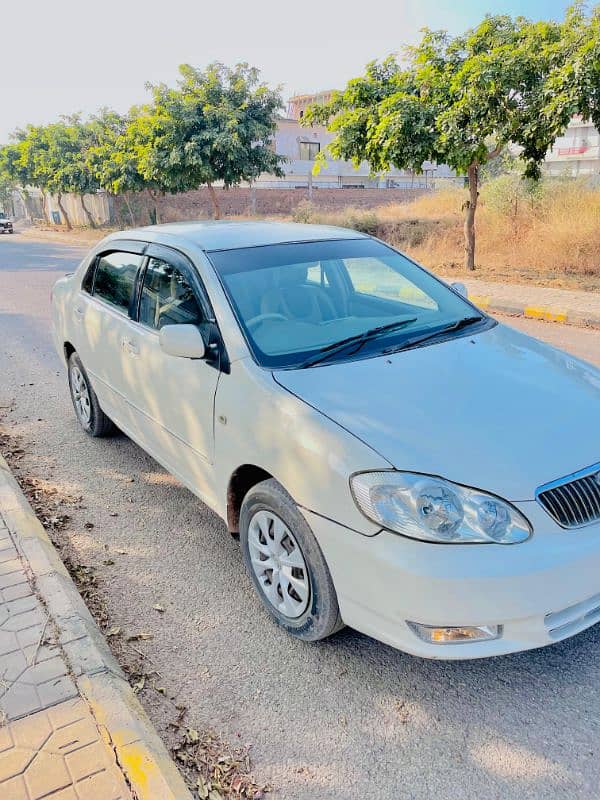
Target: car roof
228 235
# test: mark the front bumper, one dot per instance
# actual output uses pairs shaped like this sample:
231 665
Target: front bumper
540 591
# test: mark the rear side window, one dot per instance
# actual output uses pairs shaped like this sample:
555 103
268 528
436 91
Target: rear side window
114 278
167 297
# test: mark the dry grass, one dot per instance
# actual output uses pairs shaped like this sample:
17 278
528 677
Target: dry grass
550 237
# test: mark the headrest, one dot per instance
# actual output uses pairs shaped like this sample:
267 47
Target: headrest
292 275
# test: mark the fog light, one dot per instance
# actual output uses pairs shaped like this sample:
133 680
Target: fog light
455 635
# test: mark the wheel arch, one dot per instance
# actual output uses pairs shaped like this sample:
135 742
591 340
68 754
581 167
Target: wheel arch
241 481
68 350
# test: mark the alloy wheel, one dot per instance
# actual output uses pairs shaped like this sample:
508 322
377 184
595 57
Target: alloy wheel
278 564
81 395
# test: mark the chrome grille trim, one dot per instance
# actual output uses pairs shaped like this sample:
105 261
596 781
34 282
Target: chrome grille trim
573 619
573 501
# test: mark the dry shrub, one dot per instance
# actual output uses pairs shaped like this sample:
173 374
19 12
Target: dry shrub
550 235
358 219
443 203
547 233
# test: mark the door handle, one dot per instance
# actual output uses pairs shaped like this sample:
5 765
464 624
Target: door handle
79 313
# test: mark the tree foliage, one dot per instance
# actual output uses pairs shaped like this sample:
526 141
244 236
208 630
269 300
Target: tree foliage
461 100
216 125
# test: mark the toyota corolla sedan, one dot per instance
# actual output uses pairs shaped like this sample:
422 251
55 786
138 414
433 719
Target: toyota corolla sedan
391 457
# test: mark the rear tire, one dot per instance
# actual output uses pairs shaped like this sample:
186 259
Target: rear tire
286 565
87 408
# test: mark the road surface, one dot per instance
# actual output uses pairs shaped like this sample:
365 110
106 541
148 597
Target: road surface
345 718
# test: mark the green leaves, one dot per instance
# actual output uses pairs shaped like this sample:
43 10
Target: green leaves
215 126
459 99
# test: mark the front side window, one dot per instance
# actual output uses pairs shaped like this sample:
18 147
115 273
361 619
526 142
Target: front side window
167 297
114 279
295 300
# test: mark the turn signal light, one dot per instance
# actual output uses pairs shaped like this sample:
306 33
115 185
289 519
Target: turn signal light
455 635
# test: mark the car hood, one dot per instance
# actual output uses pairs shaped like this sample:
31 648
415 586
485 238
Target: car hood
498 410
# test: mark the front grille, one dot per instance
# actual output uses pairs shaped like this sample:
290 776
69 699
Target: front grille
575 500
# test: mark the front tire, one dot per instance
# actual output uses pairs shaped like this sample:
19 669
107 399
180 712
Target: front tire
286 565
87 408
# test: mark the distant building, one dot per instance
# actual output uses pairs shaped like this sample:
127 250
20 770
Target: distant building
576 152
298 104
301 146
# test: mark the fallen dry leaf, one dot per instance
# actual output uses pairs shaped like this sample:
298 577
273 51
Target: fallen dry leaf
138 637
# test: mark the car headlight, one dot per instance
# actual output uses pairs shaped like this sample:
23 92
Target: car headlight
435 510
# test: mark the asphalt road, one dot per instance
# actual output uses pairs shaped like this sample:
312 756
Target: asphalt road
345 718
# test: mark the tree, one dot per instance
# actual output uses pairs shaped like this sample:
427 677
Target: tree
455 100
217 125
574 84
75 174
111 156
6 190
32 147
13 176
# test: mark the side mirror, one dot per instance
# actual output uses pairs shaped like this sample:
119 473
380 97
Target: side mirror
461 289
182 341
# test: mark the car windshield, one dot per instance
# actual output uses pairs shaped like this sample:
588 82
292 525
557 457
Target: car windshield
297 302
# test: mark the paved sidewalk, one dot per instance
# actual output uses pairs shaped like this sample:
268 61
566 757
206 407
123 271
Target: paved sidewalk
536 302
70 725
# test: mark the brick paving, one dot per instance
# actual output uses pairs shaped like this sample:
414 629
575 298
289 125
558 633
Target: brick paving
51 745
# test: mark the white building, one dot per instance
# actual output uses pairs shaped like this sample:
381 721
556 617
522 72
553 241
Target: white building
301 145
576 152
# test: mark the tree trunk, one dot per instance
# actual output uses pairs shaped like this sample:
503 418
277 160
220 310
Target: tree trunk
154 215
215 201
88 214
26 200
63 212
128 204
470 209
45 207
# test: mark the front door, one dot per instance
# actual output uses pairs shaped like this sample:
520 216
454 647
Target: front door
172 398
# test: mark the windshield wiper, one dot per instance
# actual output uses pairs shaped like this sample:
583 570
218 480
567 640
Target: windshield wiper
454 326
359 339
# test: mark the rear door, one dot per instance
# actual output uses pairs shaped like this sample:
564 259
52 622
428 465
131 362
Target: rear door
172 398
101 314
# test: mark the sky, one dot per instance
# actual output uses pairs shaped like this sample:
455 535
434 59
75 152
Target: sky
68 56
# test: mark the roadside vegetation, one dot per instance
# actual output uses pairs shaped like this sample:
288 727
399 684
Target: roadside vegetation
461 100
545 232
214 126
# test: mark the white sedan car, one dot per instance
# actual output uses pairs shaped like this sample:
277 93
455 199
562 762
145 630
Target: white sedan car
392 458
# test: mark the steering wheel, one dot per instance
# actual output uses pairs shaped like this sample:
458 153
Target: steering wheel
260 318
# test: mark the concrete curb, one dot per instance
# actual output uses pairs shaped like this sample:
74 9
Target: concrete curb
126 728
532 311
